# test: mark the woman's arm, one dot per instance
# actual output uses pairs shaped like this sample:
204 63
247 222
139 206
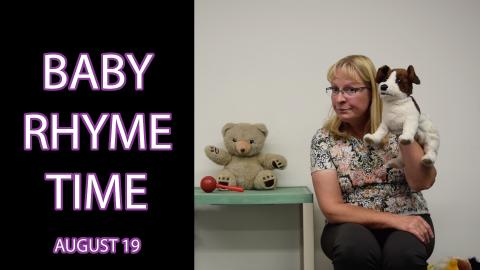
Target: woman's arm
329 197
418 176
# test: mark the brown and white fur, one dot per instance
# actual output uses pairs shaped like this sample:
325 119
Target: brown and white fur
401 114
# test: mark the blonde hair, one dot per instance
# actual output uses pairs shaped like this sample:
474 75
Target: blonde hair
358 68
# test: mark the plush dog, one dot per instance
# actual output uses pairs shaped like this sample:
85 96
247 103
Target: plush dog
401 114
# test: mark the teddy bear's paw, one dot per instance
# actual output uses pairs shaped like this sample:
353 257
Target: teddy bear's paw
265 180
225 180
405 139
278 164
269 181
214 150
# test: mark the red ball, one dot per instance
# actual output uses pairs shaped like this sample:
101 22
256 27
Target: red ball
208 184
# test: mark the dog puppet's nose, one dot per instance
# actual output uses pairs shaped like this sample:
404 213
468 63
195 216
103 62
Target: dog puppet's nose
383 87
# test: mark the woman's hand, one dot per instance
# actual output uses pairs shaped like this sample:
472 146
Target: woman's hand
415 225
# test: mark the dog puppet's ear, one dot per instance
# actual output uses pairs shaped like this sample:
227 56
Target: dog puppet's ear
382 74
412 76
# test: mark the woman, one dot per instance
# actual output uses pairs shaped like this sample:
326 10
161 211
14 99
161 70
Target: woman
376 216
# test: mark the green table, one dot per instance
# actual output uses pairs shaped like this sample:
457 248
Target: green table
301 196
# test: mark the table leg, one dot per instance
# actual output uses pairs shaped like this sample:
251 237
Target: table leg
308 237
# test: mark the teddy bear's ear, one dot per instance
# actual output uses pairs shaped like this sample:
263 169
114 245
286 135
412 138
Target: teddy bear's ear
382 74
262 128
226 127
412 76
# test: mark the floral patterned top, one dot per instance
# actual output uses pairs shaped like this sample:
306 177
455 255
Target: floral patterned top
363 176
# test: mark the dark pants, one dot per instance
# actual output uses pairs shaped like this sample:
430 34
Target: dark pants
354 246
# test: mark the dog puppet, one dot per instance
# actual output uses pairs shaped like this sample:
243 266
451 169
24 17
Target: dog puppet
401 114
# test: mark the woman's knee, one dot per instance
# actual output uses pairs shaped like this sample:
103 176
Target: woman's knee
404 251
404 259
355 245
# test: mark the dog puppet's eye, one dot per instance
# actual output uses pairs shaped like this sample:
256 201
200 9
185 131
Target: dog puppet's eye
398 81
234 140
252 141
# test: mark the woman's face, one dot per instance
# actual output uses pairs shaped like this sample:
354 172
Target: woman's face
352 109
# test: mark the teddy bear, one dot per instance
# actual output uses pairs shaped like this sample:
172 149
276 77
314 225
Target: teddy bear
244 164
401 114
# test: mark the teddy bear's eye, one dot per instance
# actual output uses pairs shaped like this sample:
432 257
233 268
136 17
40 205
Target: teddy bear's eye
252 141
234 140
398 80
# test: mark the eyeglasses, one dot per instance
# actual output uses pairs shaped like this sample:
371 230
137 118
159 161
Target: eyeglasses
349 91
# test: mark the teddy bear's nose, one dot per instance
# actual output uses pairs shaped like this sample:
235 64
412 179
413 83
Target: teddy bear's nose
242 147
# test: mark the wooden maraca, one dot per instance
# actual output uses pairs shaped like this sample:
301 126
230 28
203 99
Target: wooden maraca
209 184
